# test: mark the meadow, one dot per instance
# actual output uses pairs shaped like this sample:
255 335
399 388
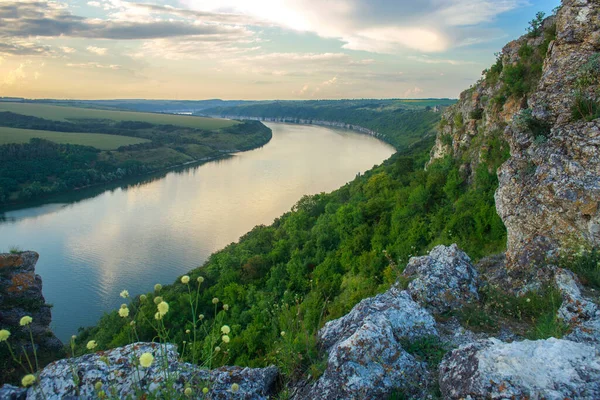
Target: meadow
60 113
97 140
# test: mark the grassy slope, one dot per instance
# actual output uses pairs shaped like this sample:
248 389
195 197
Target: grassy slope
97 140
59 113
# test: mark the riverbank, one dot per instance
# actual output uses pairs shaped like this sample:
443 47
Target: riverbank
35 171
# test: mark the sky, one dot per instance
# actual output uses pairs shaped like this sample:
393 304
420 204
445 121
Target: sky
253 49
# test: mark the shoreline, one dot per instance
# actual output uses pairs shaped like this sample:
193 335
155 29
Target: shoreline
40 200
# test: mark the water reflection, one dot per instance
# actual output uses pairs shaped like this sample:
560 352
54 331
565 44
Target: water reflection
130 236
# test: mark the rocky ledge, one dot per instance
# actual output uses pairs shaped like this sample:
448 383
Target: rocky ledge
118 374
21 295
368 354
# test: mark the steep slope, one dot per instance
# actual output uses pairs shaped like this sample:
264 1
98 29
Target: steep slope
550 187
542 98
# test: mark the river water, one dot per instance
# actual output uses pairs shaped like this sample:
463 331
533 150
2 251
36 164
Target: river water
94 244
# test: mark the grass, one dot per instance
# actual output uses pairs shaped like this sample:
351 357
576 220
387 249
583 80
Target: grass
60 113
586 264
97 140
533 315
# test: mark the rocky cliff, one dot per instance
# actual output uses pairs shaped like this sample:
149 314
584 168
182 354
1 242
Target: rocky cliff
21 295
542 98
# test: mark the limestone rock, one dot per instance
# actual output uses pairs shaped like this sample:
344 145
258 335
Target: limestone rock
580 313
549 189
120 375
365 357
10 392
551 369
443 280
20 295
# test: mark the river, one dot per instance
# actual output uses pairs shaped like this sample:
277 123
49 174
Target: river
96 243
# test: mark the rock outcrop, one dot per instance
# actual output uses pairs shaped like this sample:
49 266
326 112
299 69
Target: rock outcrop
21 295
541 369
443 280
365 358
119 375
549 188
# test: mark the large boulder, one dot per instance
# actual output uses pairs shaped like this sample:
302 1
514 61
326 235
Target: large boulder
443 280
543 369
120 375
365 355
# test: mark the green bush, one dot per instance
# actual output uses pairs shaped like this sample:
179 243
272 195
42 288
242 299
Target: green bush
458 121
476 114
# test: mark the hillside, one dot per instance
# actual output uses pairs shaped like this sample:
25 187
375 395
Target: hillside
396 285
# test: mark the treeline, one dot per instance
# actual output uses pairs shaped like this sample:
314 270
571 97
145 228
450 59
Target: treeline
317 261
400 125
41 167
146 130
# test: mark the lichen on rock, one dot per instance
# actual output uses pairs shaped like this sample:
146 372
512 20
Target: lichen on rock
365 358
443 280
552 369
119 373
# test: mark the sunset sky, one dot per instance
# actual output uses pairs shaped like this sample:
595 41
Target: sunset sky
253 49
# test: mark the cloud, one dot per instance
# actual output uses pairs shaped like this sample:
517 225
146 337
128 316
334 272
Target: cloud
97 50
94 4
24 49
94 65
67 50
25 19
331 81
413 92
429 60
16 75
380 26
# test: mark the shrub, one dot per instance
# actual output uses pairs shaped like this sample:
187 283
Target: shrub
584 108
476 114
492 75
527 122
458 121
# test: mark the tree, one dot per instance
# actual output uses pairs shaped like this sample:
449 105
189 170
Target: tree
535 25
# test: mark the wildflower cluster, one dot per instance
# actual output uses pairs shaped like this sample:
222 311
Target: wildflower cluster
204 343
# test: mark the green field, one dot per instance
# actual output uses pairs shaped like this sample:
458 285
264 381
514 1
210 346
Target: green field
60 113
97 140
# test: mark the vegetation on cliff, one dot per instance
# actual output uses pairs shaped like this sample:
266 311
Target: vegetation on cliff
332 250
